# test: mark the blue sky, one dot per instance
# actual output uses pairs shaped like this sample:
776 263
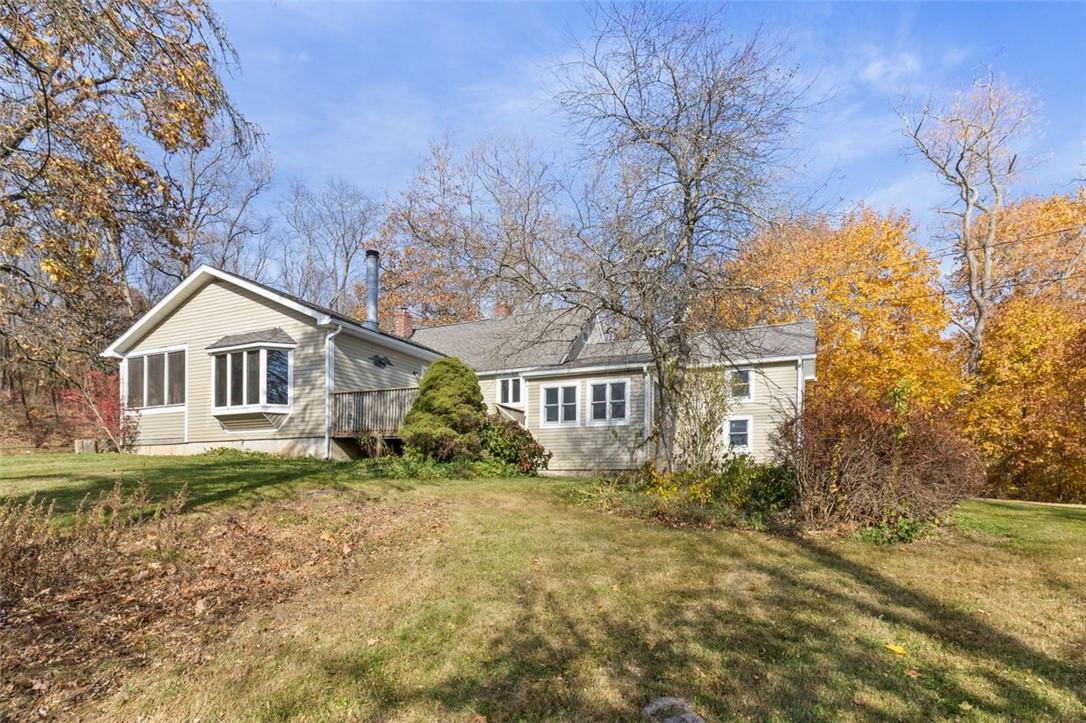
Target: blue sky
358 90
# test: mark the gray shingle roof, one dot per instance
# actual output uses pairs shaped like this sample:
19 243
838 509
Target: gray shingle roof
777 340
737 346
274 335
542 341
519 341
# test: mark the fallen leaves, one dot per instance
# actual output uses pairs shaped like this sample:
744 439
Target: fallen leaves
152 605
895 649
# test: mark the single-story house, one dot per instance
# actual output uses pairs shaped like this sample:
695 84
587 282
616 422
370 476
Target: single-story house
589 400
225 361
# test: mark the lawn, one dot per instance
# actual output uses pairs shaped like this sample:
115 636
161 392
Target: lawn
520 605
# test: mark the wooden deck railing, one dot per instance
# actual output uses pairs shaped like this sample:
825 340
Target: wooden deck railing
377 412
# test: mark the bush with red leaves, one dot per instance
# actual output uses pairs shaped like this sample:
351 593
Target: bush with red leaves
860 462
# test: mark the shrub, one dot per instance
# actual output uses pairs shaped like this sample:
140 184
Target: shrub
414 465
738 489
448 416
898 529
859 462
506 440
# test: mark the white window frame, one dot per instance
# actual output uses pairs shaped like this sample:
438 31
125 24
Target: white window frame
164 408
576 421
262 406
609 422
750 394
498 391
749 419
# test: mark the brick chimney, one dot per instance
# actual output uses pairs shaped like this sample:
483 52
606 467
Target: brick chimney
402 323
502 310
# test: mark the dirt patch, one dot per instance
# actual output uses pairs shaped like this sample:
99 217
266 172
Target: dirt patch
175 589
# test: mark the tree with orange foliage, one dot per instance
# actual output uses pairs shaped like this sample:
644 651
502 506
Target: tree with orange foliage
873 294
1026 410
1044 251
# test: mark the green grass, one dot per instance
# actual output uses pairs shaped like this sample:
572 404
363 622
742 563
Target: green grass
526 607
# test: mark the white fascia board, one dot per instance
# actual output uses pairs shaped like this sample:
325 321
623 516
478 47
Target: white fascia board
504 372
575 371
186 288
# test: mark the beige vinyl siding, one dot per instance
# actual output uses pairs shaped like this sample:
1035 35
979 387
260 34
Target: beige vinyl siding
161 428
584 447
356 371
489 387
775 387
218 309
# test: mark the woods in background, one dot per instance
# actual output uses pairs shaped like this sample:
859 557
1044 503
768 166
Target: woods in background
124 166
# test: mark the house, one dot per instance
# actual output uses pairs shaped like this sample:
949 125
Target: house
225 361
589 400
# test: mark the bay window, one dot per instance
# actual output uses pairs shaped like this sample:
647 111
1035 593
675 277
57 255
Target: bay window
155 379
256 379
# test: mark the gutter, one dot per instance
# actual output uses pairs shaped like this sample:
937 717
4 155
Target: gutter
329 387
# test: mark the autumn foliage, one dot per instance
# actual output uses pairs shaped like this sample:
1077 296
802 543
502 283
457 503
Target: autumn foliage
862 462
1026 408
872 292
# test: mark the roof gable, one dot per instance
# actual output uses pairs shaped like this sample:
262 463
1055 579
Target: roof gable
201 277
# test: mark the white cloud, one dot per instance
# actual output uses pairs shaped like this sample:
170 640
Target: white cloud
891 72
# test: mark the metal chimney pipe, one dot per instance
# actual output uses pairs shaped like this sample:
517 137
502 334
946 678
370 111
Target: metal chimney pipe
372 290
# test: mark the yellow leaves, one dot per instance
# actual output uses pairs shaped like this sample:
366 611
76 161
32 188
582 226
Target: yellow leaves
895 649
872 293
1025 408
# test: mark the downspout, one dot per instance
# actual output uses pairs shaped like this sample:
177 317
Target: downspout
647 402
329 387
800 384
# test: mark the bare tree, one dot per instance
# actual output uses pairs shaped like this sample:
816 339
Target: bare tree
487 212
684 128
330 228
212 192
970 145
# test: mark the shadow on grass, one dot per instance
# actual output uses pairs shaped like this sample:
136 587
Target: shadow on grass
210 480
779 643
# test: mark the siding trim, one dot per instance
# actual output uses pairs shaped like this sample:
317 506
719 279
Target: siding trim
329 386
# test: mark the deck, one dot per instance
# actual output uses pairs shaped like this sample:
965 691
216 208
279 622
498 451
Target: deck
371 412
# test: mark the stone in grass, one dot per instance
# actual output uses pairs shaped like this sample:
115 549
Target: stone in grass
671 710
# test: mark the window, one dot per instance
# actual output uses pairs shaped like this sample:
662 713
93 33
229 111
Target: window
560 404
251 378
175 382
739 433
278 384
608 402
741 388
509 391
156 380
